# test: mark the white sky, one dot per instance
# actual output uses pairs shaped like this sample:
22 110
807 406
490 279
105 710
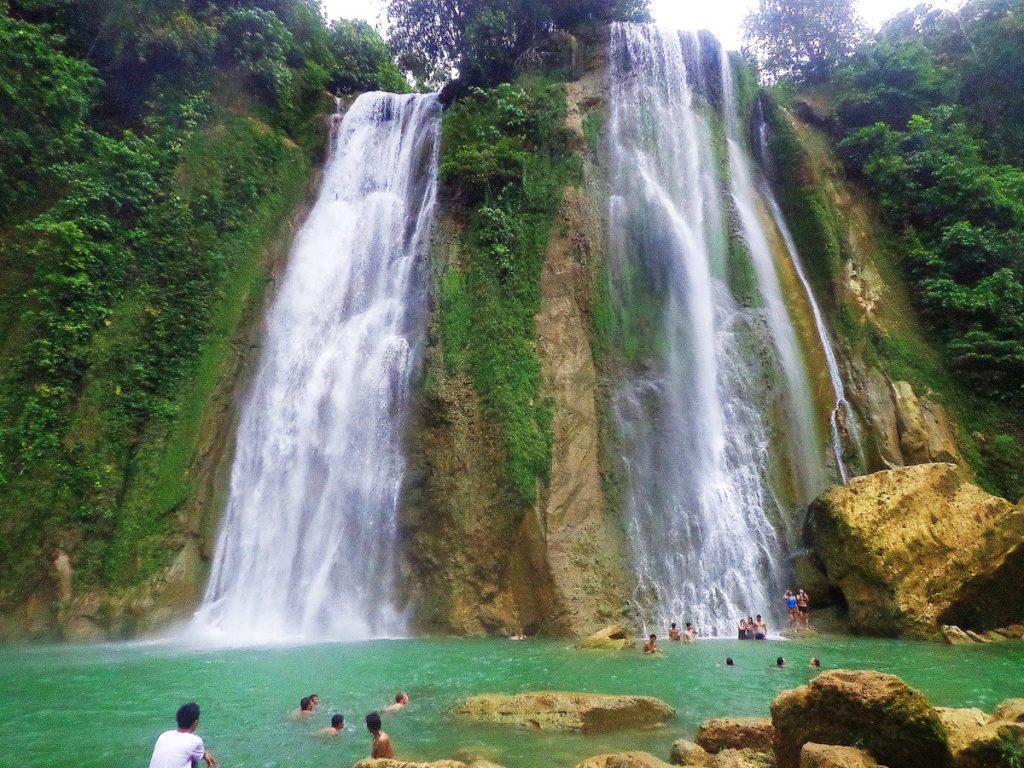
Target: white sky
722 17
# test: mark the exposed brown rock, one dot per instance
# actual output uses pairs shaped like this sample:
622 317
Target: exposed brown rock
720 733
613 638
829 756
393 763
1010 711
564 711
685 752
741 758
960 725
924 428
872 710
917 547
624 760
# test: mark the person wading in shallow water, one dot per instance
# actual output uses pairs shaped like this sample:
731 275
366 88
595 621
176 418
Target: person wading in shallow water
673 632
651 646
181 748
760 629
381 741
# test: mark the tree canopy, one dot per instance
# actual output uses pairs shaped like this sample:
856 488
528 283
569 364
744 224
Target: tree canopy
801 40
484 40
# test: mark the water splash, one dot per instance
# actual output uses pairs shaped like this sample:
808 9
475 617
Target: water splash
307 547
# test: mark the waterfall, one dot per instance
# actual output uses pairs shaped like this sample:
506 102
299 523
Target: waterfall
842 418
693 430
800 404
307 547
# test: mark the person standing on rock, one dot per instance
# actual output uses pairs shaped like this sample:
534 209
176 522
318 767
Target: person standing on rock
181 748
382 747
791 601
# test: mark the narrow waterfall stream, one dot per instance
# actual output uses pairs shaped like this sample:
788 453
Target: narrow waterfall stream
843 419
307 547
800 405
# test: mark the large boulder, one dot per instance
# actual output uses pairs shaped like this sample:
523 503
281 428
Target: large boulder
563 711
721 733
979 741
685 752
625 760
381 762
831 756
613 638
914 548
875 711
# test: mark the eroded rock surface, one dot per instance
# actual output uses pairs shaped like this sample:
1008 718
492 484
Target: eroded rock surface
564 711
877 712
830 756
686 752
624 760
917 547
756 733
613 638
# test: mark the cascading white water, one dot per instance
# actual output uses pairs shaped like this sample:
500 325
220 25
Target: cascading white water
691 418
307 548
799 403
842 418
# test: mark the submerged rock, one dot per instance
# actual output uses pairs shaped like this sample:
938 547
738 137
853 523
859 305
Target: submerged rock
829 756
563 711
917 547
717 734
624 760
613 638
872 710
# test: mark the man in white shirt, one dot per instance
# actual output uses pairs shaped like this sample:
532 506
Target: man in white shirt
181 748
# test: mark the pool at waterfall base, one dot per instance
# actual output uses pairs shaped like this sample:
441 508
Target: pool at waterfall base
92 706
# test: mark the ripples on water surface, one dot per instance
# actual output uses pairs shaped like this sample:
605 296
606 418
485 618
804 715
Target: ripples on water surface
105 705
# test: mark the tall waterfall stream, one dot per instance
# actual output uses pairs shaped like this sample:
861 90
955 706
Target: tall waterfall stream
307 547
716 421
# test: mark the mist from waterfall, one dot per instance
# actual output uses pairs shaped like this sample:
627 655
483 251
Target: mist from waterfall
307 546
715 419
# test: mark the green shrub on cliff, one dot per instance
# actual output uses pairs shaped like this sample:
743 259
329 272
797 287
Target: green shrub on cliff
504 159
152 152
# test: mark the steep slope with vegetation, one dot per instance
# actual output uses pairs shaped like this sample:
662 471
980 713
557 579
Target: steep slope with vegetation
153 157
927 125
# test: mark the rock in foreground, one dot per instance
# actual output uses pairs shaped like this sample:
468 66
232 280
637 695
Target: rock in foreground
563 711
613 638
720 733
917 547
394 763
872 710
828 756
625 760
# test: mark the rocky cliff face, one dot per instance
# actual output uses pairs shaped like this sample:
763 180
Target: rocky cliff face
479 561
914 548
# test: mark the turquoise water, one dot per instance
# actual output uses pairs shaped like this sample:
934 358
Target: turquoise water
104 705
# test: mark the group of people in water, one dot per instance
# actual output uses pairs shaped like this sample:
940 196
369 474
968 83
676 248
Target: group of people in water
183 748
381 741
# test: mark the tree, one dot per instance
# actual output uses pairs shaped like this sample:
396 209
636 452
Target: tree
482 40
803 40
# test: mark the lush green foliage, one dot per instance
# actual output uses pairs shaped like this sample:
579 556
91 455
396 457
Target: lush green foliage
489 41
150 151
505 157
801 39
929 145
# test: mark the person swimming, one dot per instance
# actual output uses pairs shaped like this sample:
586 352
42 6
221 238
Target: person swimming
305 709
401 702
729 662
815 663
780 663
336 727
